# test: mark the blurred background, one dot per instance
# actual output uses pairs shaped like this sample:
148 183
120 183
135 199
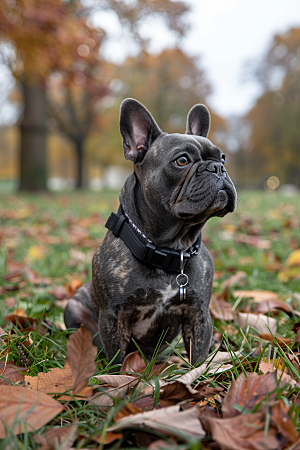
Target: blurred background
66 65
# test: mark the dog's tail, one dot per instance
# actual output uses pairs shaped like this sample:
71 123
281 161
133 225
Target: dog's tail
79 311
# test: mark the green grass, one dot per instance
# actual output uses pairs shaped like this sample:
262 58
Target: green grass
43 231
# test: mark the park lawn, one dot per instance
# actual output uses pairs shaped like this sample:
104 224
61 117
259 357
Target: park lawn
47 242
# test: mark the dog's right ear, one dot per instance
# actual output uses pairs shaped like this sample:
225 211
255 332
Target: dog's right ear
198 121
138 129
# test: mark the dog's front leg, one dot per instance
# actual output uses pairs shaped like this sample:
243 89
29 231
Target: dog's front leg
114 330
197 334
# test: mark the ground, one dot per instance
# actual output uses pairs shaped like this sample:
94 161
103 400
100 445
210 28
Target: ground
47 242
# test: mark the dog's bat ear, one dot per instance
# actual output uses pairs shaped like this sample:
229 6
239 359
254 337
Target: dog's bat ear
198 121
138 129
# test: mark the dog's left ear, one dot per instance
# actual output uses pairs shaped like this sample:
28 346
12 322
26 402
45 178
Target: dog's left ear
198 121
138 129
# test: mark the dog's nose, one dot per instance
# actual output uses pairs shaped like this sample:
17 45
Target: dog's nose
217 168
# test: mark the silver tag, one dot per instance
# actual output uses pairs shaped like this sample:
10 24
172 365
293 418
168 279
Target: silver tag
182 280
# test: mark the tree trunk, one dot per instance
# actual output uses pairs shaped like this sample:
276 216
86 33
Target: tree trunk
79 153
33 163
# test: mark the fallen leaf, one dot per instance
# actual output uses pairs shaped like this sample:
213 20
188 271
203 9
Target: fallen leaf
133 363
266 367
127 410
22 408
234 279
108 438
293 259
282 341
56 381
220 309
248 392
56 437
81 354
26 323
284 424
261 322
113 386
73 286
36 252
12 373
245 431
257 295
169 421
255 241
268 306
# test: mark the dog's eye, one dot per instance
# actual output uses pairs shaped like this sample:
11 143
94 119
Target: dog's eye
223 159
182 161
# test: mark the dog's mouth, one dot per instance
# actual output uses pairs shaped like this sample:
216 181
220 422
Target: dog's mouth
222 204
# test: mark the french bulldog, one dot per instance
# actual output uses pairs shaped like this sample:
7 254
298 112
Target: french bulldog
178 182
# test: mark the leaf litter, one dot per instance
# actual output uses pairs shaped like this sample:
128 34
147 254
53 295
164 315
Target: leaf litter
245 395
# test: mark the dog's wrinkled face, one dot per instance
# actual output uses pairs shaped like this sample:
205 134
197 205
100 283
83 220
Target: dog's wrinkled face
181 174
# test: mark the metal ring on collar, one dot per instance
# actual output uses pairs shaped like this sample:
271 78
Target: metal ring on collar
186 279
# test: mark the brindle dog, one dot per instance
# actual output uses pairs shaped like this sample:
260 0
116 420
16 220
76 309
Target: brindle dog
178 182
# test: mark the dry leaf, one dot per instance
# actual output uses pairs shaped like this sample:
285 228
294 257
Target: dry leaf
108 438
293 259
247 392
282 341
257 295
234 279
81 354
12 373
243 432
57 437
220 309
113 386
169 421
266 367
252 240
56 381
267 306
261 322
20 406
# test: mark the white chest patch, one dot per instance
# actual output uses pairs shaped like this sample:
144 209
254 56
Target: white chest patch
167 293
140 328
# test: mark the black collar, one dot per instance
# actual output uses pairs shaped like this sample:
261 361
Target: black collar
142 248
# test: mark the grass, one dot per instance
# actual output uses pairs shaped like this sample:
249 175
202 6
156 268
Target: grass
55 235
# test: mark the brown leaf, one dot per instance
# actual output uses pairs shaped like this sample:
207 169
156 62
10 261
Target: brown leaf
266 367
266 306
169 421
81 354
220 309
20 406
108 438
259 321
247 392
255 241
114 386
281 419
56 437
244 432
25 323
73 286
234 279
282 341
127 410
257 295
133 363
12 373
56 381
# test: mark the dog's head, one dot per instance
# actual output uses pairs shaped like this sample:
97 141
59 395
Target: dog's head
180 174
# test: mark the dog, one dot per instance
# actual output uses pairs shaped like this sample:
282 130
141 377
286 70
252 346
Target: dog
152 274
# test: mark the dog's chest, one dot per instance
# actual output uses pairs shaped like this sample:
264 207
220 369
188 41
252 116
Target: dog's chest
157 313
